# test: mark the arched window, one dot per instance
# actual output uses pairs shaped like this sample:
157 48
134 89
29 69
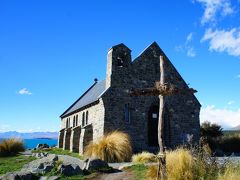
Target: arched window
67 123
73 121
76 120
86 117
83 119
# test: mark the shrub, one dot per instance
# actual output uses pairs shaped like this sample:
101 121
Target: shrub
230 144
11 146
211 130
144 157
113 147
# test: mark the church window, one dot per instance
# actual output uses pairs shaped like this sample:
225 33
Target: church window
73 121
86 117
120 62
67 123
76 120
127 113
83 119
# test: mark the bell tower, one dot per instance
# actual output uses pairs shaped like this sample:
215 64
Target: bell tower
118 62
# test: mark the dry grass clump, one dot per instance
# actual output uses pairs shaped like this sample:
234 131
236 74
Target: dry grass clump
144 157
152 172
179 165
11 146
113 147
231 172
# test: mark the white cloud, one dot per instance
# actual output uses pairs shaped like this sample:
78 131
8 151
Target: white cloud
191 52
223 41
187 48
4 127
231 102
24 91
238 76
224 117
212 8
189 37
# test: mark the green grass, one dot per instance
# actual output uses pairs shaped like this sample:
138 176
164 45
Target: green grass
58 151
14 163
139 171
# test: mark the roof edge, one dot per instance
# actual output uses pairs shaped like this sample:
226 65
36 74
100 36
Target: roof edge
78 99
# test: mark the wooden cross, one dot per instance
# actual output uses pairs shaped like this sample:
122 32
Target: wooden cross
162 89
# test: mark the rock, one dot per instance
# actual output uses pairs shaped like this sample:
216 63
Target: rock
19 175
41 166
95 164
53 178
52 157
40 155
49 178
70 169
41 146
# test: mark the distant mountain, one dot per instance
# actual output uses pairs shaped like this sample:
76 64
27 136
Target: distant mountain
33 135
237 128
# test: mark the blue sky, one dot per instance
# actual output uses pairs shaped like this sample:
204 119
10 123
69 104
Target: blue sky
50 52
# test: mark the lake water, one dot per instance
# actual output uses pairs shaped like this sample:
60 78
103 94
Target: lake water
32 143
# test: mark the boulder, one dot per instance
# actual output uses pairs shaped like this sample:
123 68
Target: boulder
70 169
95 165
19 175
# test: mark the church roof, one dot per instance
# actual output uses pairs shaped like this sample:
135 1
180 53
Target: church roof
90 96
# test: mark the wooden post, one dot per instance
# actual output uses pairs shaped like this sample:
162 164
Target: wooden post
161 109
162 159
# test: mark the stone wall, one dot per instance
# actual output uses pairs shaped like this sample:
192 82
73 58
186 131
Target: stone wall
72 138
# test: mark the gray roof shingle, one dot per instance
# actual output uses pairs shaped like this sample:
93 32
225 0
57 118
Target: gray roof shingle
90 96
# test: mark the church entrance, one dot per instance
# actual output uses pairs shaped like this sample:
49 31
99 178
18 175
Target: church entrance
153 126
153 115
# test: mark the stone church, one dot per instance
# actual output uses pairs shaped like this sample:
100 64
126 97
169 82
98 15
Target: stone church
108 105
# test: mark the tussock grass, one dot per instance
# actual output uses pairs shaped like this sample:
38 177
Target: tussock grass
232 172
11 146
179 164
113 147
144 157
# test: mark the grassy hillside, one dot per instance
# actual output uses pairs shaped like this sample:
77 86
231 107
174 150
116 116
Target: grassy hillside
231 133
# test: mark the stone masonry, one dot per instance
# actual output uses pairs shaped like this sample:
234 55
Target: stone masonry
108 105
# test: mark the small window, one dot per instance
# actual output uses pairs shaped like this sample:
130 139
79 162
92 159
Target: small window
127 113
154 115
86 117
120 62
83 118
